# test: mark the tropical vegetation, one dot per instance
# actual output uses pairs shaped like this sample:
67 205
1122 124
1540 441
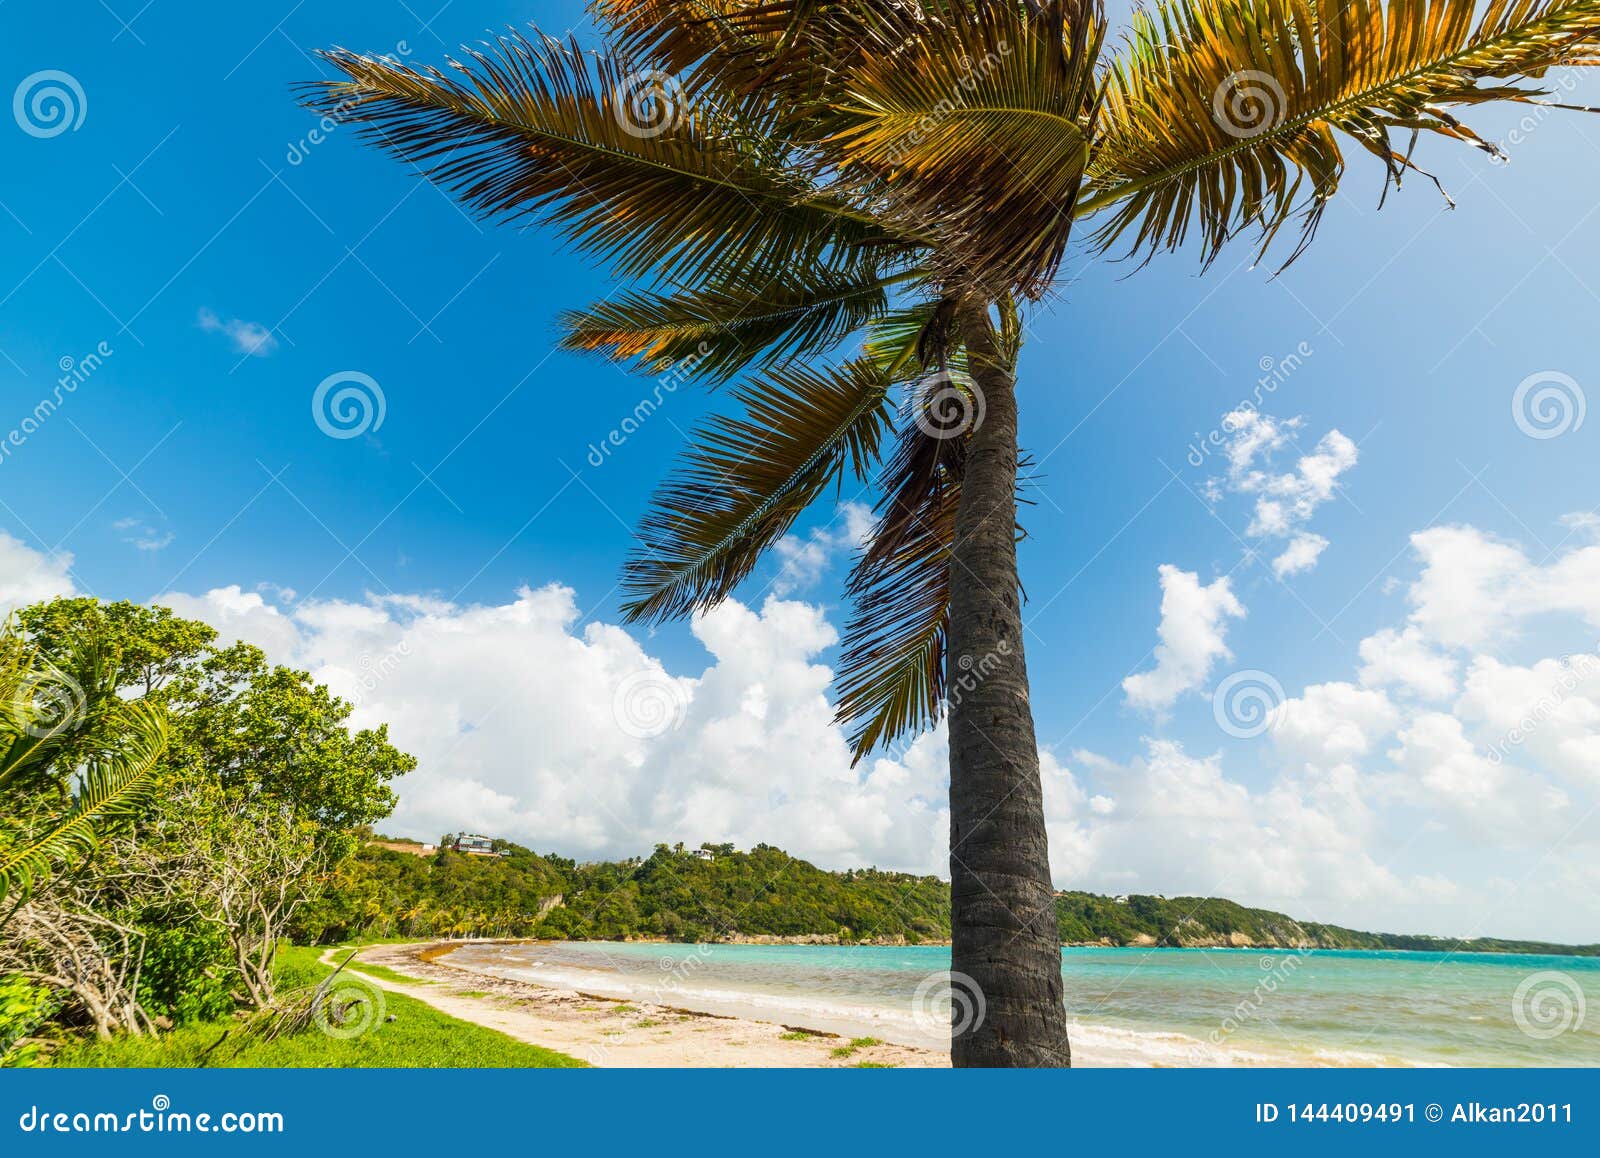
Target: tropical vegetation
396 889
168 803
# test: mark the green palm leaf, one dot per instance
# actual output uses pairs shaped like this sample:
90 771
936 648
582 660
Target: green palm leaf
891 678
744 481
542 129
974 132
51 708
721 330
112 789
1222 114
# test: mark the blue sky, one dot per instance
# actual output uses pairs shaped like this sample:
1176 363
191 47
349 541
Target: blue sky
230 263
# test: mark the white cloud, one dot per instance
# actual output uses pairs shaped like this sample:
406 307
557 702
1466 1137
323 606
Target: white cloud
1300 555
142 535
1332 724
528 726
1475 588
1405 659
1193 634
1179 818
1440 768
27 576
251 338
1284 501
802 561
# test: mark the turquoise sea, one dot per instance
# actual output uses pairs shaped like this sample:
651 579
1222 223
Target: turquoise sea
1128 1006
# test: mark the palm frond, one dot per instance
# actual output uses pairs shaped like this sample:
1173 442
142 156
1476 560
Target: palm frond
51 707
112 789
719 331
744 481
975 132
541 129
1222 114
783 53
891 678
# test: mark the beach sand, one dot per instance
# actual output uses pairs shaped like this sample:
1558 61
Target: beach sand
604 1031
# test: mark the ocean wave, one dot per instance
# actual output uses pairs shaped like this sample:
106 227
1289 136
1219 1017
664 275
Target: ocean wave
1093 1044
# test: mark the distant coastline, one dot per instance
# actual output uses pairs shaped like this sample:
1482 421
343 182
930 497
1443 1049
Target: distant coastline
717 894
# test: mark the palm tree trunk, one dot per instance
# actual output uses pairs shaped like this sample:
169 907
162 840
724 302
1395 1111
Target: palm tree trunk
1006 956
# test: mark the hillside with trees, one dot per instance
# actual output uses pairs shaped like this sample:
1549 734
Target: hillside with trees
720 894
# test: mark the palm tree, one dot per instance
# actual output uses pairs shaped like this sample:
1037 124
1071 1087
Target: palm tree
76 760
845 201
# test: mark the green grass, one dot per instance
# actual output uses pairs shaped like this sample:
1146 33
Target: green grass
797 1035
419 1036
381 972
856 1043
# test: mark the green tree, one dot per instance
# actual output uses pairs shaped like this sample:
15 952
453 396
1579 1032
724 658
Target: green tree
844 197
264 790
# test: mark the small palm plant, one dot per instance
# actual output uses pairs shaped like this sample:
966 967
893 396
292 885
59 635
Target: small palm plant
848 202
76 760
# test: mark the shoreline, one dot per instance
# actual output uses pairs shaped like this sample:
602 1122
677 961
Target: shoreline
620 1028
608 1031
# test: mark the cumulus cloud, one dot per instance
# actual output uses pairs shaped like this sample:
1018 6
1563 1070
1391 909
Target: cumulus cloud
27 575
802 561
1179 817
1284 500
1406 660
251 338
1300 555
1475 588
1192 634
1331 724
576 739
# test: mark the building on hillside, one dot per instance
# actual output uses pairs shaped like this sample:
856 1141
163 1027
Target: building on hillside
474 845
703 854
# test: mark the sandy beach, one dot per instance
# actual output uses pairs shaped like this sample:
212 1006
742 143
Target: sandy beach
604 1031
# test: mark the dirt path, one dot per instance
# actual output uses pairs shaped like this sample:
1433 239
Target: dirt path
607 1032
